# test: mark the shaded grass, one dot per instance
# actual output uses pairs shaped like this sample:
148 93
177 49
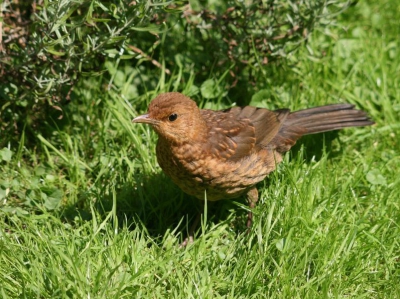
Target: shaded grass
89 214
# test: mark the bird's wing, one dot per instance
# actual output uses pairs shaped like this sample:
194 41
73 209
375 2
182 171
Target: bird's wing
234 133
229 137
267 123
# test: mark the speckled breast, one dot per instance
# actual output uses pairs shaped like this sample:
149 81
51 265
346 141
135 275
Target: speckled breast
201 175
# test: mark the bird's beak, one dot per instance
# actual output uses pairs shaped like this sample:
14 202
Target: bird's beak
145 119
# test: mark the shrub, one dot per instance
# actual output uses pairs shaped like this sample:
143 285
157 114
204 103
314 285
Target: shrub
48 46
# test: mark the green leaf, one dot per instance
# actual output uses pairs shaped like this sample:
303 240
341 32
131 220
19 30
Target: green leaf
54 52
53 200
375 177
3 193
6 154
280 244
210 89
260 98
192 90
14 210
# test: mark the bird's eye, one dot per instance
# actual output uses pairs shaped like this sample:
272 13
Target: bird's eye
172 117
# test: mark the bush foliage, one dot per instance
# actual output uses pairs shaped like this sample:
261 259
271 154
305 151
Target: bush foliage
49 46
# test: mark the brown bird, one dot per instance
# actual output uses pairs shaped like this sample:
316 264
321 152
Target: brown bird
224 154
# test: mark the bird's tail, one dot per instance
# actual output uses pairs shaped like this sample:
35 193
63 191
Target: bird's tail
318 120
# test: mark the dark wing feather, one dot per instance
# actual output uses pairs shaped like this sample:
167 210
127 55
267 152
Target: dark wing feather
318 120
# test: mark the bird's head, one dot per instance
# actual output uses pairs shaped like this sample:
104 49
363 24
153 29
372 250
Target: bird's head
174 116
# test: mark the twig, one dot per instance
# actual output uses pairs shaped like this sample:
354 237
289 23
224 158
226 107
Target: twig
155 62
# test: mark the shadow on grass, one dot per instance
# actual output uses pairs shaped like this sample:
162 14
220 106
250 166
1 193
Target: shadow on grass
154 201
317 145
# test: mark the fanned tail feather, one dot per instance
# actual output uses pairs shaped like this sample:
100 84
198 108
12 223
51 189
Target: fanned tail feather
318 120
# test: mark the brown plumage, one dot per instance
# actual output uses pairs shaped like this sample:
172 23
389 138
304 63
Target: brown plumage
224 154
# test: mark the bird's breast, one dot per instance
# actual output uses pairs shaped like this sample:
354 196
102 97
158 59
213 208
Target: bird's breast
197 172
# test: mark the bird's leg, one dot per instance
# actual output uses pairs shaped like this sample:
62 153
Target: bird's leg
192 229
252 198
190 238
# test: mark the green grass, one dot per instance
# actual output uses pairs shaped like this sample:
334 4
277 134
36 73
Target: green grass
87 213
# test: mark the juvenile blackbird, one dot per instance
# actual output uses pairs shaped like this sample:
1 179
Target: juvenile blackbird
224 154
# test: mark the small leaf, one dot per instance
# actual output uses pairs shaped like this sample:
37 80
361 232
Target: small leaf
280 244
6 154
3 193
40 170
14 210
53 200
192 90
259 97
50 178
375 177
55 52
210 89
